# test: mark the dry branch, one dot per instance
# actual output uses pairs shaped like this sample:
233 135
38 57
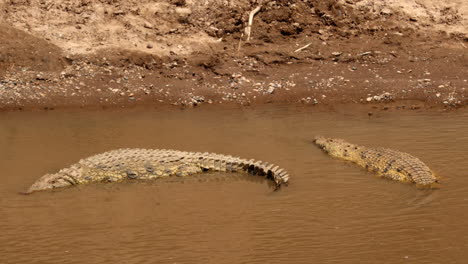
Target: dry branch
305 47
248 29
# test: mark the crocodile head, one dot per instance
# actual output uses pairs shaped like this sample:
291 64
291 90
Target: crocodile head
336 147
47 182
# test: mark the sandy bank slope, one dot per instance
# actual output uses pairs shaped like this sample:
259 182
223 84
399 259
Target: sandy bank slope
183 52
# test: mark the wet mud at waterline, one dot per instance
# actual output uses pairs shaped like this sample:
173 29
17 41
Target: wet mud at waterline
331 212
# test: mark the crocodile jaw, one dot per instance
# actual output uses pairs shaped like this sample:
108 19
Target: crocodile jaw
321 142
48 182
338 148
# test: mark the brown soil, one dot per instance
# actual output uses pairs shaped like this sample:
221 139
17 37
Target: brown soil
81 53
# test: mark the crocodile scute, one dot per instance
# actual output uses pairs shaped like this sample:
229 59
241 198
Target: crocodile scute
386 163
121 164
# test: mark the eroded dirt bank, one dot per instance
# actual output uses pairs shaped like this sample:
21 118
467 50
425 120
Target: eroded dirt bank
81 53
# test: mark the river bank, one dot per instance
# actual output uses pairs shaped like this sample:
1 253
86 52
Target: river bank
312 53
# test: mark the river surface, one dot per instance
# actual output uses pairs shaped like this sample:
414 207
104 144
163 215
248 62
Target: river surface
332 211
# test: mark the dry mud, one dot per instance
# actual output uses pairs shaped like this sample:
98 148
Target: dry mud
82 53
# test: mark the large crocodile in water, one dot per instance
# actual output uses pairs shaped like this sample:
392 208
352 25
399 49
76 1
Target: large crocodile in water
121 164
387 163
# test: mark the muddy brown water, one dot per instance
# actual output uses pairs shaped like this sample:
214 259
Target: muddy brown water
332 211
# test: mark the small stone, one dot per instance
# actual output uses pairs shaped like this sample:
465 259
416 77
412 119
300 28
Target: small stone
149 46
337 53
386 11
437 95
39 77
271 90
369 99
198 99
148 25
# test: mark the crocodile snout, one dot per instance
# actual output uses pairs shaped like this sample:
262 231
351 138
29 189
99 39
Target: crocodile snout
320 141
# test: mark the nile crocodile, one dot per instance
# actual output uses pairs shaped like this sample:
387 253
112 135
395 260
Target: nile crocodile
387 163
121 164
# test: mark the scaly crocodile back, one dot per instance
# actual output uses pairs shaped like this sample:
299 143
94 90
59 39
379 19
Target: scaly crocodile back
121 164
384 162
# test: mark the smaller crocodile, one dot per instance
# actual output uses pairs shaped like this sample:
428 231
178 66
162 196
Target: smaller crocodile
386 163
121 164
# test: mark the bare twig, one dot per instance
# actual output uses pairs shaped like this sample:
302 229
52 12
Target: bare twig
248 29
365 53
305 47
50 6
240 42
